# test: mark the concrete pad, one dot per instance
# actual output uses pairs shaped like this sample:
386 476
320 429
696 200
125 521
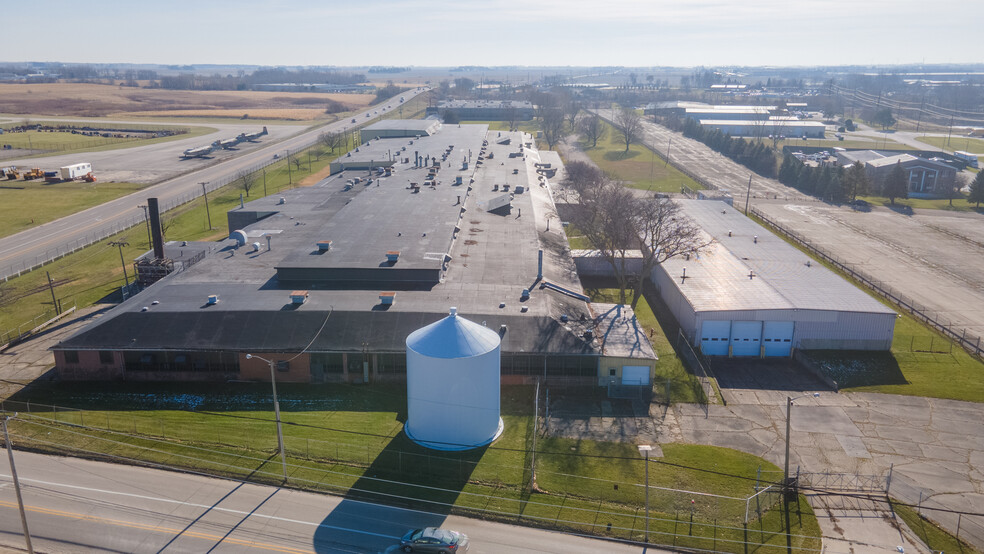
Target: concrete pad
937 452
853 446
822 419
908 435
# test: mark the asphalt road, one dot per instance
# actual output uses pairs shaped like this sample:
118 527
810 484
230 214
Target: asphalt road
32 246
154 162
83 506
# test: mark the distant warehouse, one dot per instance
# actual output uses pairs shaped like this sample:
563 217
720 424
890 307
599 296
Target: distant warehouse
484 110
752 294
784 126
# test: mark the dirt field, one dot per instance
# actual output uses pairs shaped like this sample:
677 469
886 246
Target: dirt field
91 100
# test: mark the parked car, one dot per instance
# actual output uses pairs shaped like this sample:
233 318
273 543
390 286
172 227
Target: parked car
433 539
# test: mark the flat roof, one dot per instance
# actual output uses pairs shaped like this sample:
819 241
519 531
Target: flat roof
782 277
763 122
484 259
451 104
422 125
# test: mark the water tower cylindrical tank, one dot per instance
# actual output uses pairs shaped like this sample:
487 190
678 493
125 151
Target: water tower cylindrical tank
453 385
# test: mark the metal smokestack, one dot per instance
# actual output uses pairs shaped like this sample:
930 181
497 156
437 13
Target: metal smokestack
155 228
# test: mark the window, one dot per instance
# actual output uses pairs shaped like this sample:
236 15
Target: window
611 371
283 365
71 356
105 357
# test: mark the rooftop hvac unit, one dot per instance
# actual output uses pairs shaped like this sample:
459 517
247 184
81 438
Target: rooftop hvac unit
298 296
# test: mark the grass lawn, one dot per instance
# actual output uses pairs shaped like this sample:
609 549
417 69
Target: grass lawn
67 143
959 204
26 204
639 168
846 143
95 273
347 439
967 144
935 537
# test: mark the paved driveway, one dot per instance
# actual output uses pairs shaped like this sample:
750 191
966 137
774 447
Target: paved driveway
934 448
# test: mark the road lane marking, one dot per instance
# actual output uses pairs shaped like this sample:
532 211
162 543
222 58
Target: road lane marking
204 506
156 528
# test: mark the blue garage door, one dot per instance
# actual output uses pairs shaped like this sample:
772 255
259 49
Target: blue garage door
714 337
746 338
777 338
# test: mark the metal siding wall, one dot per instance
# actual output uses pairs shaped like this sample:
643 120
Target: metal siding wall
677 304
820 329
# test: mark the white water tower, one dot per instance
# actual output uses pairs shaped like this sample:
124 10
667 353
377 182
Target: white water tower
453 385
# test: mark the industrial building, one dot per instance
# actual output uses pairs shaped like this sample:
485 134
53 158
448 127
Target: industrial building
751 294
328 282
399 128
926 177
484 110
774 126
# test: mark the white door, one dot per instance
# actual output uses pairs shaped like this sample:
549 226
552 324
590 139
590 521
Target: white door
635 374
746 338
714 337
777 338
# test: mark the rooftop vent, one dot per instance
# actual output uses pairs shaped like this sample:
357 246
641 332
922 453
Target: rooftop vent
213 299
324 245
298 296
392 256
387 298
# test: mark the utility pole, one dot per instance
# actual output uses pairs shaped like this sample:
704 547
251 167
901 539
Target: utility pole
120 244
52 287
17 490
669 142
264 182
150 243
205 194
290 179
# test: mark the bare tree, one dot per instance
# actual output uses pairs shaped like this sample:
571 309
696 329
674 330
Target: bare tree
246 180
511 115
629 125
572 111
663 233
331 140
593 129
552 125
604 216
167 222
616 222
298 163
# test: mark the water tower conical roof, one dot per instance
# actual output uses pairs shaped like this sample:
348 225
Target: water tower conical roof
453 337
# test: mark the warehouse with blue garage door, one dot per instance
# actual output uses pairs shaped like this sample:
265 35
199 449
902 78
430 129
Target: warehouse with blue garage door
751 294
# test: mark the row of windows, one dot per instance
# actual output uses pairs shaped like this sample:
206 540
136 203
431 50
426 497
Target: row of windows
335 363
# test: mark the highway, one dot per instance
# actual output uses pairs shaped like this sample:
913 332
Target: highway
27 248
76 505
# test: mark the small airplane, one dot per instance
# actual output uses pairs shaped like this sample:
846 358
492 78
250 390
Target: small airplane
252 137
231 143
201 151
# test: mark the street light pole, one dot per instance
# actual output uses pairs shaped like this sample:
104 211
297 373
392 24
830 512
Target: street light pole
789 404
17 490
276 412
645 448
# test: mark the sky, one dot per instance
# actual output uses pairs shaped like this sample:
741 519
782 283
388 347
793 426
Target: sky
635 33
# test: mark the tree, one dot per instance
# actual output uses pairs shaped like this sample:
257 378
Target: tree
950 186
896 185
463 85
884 118
510 114
977 189
663 233
246 180
857 181
572 110
552 125
331 140
629 125
593 129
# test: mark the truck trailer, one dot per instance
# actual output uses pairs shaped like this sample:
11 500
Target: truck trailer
75 171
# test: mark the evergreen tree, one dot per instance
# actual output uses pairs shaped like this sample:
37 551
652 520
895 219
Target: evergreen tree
857 182
977 189
896 184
